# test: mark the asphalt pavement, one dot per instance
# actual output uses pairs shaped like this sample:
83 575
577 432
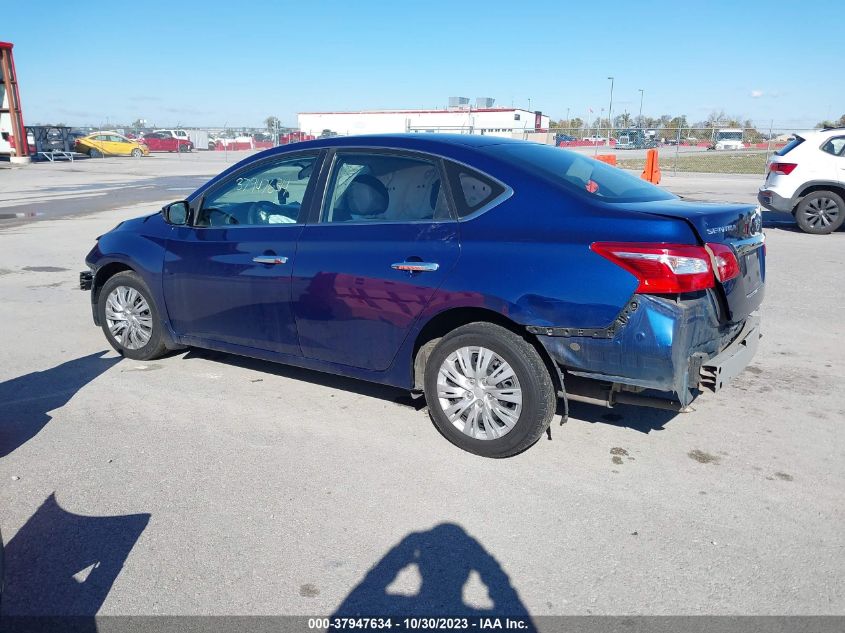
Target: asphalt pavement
205 483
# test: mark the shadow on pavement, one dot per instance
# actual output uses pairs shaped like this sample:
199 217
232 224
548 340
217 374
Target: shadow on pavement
444 559
61 564
777 220
361 387
25 401
640 419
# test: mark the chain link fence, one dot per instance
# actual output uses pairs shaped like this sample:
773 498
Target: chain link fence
715 150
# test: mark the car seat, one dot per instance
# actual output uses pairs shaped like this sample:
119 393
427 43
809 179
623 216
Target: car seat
364 198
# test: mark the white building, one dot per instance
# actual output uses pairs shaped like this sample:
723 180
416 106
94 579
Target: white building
506 122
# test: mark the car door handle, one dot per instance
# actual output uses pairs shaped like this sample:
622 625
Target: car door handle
416 267
269 259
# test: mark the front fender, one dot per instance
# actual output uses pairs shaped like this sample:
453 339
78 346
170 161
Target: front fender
141 251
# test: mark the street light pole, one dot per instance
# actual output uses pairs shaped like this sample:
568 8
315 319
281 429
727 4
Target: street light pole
640 121
610 113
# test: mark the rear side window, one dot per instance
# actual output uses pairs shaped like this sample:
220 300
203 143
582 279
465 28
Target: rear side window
790 146
835 146
471 189
579 173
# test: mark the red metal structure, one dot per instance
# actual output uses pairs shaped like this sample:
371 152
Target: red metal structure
9 83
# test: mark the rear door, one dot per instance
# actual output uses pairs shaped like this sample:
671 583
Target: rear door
835 146
99 142
153 141
381 244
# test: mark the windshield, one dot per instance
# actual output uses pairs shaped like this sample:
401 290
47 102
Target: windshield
733 135
580 173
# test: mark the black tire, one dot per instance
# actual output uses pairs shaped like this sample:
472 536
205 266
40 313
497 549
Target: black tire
820 212
155 346
137 153
95 153
539 398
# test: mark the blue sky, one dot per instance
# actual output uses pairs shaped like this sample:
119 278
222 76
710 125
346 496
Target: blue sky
206 62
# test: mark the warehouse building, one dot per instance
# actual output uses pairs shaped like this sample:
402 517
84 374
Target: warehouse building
459 118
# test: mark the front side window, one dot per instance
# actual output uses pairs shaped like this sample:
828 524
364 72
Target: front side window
272 193
384 188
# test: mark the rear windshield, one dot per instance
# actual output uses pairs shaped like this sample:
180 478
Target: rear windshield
580 173
783 151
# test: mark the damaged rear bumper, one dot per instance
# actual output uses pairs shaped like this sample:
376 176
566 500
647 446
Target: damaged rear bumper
663 344
716 372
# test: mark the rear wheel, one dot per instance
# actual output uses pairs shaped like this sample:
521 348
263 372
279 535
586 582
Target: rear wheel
820 212
95 153
129 317
488 390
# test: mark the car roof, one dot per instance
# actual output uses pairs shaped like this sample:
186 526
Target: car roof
453 146
822 134
425 142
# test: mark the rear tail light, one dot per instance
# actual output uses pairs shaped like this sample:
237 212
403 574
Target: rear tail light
724 261
671 268
782 168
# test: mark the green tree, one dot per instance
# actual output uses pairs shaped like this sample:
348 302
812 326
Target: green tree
719 118
826 123
623 120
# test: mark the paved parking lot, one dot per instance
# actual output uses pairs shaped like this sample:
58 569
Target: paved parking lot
204 483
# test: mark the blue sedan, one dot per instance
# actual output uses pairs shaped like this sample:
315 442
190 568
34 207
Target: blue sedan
494 276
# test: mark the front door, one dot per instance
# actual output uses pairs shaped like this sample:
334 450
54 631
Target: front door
382 245
227 276
118 146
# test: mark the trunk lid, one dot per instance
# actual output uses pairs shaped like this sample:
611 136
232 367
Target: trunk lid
739 226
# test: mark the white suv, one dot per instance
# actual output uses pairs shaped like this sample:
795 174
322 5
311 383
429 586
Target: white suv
807 179
178 134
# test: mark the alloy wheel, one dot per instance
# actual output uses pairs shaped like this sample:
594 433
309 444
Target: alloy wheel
821 212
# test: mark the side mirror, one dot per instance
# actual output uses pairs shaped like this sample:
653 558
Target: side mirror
176 213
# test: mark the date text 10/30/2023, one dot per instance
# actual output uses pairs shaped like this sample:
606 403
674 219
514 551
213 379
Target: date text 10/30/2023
419 623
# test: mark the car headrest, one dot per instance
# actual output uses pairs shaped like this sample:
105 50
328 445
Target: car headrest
366 195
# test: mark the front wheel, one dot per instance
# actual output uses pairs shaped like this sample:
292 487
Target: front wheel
488 390
137 153
820 213
129 317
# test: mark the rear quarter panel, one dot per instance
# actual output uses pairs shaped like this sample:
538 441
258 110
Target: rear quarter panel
529 258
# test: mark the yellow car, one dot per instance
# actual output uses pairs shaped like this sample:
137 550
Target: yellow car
101 144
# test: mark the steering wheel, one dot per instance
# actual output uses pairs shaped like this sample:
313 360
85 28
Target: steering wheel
228 218
260 212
